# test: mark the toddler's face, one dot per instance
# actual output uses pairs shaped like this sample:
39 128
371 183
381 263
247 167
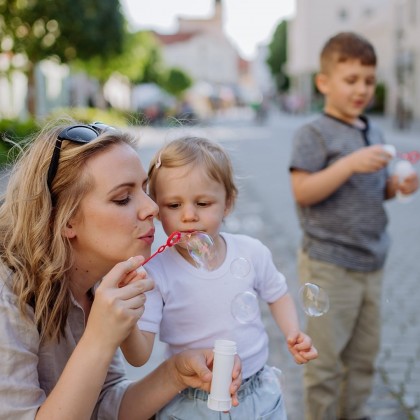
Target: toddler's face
348 89
189 200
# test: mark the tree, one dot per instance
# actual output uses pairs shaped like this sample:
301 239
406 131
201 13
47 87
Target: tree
177 81
277 57
60 29
140 52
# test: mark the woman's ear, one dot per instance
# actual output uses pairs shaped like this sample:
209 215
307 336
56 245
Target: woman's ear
69 231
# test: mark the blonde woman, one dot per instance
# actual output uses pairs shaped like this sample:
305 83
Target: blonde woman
75 224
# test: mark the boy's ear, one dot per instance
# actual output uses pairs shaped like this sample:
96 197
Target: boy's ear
321 82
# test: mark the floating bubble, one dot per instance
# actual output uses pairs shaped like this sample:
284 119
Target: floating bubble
313 299
201 248
272 379
240 267
244 307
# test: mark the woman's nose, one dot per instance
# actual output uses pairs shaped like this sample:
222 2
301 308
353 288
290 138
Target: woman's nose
148 208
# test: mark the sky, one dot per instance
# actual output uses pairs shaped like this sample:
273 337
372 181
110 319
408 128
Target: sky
247 22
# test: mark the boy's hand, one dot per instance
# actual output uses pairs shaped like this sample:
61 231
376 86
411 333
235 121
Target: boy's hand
301 348
368 159
409 185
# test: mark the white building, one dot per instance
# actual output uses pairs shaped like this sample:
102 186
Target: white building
318 20
407 55
201 48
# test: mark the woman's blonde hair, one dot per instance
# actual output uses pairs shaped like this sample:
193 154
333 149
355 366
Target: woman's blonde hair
32 246
199 152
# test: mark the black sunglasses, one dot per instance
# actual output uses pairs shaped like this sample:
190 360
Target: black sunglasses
83 133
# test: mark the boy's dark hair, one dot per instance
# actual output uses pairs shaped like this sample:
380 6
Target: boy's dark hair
347 46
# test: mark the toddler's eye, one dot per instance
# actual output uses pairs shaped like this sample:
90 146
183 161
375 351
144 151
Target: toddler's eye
173 205
202 204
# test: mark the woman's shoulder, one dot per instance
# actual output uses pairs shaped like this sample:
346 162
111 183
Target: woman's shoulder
9 301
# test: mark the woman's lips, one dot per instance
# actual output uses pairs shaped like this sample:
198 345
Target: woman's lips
149 237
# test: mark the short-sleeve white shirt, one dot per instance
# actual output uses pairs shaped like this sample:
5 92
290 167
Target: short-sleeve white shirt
191 307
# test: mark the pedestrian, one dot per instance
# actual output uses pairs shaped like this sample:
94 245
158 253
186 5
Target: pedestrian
340 180
191 179
75 224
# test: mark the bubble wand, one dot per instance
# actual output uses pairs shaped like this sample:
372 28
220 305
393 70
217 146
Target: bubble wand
172 240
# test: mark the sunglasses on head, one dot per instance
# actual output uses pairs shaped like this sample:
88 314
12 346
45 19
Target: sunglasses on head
81 133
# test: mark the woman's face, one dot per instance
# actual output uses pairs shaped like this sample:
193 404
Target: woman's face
115 220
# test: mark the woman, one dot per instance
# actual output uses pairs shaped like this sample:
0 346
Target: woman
75 224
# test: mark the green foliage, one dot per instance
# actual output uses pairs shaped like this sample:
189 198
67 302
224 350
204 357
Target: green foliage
140 52
378 104
14 132
89 115
63 28
277 57
177 81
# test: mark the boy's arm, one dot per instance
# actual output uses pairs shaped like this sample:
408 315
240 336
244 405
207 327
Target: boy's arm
138 346
300 345
311 188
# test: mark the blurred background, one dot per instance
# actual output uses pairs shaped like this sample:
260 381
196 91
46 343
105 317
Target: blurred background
136 62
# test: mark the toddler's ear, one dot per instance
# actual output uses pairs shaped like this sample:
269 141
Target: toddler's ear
321 82
228 208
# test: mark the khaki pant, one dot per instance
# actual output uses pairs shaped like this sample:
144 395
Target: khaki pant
339 382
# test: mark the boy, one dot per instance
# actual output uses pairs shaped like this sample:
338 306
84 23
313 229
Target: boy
340 181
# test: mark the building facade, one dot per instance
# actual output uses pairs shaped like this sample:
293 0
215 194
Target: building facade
391 25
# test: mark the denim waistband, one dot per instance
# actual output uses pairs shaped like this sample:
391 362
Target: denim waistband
247 387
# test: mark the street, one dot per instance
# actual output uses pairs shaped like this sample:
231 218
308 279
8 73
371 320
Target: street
265 210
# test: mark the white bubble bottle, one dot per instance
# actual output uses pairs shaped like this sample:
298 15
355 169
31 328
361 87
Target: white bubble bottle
403 168
224 357
390 148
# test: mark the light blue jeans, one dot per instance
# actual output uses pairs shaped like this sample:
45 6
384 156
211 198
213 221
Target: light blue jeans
260 398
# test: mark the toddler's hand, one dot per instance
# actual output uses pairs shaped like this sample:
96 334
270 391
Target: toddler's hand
301 348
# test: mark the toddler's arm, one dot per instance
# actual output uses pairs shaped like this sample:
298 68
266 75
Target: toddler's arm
311 188
299 344
137 347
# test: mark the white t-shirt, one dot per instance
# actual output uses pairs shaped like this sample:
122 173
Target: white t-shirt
191 307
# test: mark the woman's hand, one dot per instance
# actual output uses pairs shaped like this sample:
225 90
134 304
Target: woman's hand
192 368
118 303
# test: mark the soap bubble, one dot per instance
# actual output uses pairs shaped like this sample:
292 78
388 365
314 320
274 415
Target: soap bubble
240 267
201 248
244 307
313 300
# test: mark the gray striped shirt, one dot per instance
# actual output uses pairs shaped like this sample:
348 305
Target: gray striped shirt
349 227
